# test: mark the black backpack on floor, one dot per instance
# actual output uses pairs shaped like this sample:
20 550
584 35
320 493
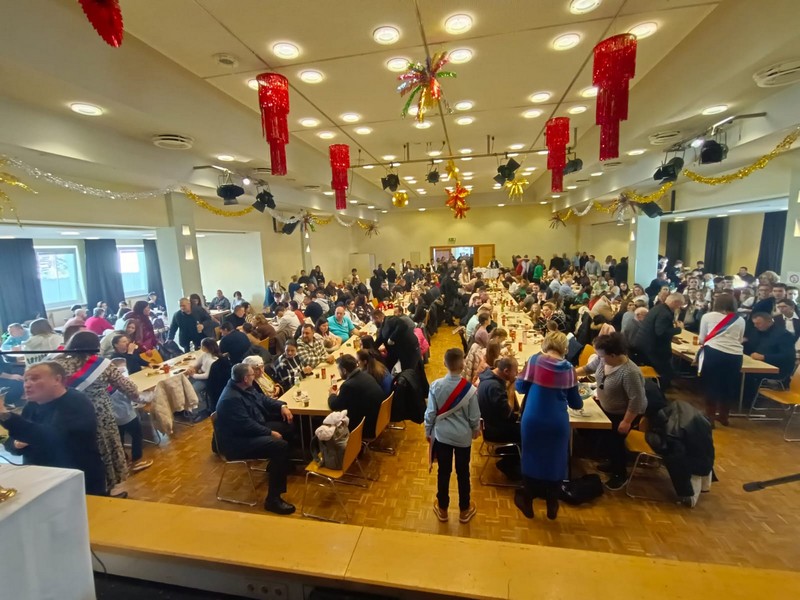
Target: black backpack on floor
582 490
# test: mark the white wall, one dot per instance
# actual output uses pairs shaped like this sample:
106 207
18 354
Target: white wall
231 262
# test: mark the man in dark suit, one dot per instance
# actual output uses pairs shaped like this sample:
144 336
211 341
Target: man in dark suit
396 333
653 341
57 427
768 341
788 318
359 394
250 425
313 310
234 343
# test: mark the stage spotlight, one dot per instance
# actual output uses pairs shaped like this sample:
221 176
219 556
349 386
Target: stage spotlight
670 170
227 190
264 200
432 176
573 166
712 152
391 181
506 172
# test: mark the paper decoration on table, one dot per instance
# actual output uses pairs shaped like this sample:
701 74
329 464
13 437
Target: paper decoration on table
106 18
614 67
421 81
273 99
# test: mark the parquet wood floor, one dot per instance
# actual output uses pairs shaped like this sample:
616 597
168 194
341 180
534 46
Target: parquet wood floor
728 526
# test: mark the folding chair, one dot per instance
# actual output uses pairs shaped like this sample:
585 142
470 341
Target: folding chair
645 456
788 399
585 355
248 464
381 425
492 450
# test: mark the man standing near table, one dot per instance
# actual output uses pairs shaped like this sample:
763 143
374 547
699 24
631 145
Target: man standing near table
653 341
57 428
397 335
250 425
186 325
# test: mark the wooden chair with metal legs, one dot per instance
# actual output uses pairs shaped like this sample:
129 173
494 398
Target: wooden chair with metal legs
381 425
249 464
789 400
331 476
645 457
585 355
492 450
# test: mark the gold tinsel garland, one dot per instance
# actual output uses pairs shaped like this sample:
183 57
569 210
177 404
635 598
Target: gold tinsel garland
6 203
211 208
748 170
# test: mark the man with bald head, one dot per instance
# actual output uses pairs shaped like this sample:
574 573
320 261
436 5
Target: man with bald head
186 325
653 341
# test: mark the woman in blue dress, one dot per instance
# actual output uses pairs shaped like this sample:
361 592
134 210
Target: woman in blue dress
549 384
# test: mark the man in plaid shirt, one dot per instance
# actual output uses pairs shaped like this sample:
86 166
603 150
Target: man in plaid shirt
310 349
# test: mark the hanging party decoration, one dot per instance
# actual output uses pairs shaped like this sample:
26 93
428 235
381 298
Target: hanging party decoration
106 18
654 197
457 200
211 208
421 81
614 67
370 228
557 137
749 169
559 220
400 199
340 163
516 187
6 203
273 98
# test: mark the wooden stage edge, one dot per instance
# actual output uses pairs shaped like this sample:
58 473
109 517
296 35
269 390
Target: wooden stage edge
263 556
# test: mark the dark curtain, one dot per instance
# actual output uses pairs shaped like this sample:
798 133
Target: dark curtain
154 283
770 252
20 289
676 241
715 245
103 279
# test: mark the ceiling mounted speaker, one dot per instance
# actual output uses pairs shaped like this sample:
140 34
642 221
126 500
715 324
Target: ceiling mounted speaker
662 138
782 73
173 141
573 166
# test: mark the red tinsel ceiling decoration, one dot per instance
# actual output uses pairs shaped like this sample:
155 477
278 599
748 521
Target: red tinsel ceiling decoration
614 67
106 18
273 97
340 163
557 137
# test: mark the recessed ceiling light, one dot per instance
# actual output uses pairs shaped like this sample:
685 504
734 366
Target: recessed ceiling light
464 105
636 152
386 35
468 178
466 158
422 124
397 64
285 50
716 109
437 161
408 177
556 196
388 157
643 30
468 187
589 92
497 186
384 211
434 153
543 202
465 120
395 164
411 181
311 76
413 111
350 117
326 135
467 173
735 210
597 174
309 122
720 216
369 166
542 152
252 83
532 113
226 157
363 130
529 169
460 56
328 193
421 191
566 41
697 143
465 150
516 146
88 110
353 201
572 187
581 7
421 209
371 206
7 237
539 97
500 205
576 110
199 235
70 233
512 154
458 24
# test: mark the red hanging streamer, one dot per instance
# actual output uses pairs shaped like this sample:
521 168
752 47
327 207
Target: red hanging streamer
273 97
614 67
106 18
557 136
340 163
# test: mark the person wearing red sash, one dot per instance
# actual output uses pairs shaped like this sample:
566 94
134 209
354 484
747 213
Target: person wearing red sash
719 360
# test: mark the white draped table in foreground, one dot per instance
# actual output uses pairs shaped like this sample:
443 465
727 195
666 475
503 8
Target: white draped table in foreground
44 534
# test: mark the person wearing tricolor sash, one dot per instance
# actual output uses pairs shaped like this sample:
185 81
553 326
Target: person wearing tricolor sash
719 360
452 421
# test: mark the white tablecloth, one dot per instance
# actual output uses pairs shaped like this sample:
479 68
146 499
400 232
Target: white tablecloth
44 535
488 273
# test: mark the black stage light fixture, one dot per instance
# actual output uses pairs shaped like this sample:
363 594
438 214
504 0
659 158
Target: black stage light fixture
651 209
712 152
227 190
264 200
573 166
288 228
391 181
670 170
432 176
506 172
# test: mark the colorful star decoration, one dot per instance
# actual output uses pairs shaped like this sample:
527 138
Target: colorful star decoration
516 188
400 199
457 200
421 80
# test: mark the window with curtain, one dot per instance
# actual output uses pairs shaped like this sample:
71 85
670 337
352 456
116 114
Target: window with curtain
133 268
60 275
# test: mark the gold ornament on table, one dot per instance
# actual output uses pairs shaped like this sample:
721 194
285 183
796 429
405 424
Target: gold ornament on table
516 188
400 199
748 170
211 208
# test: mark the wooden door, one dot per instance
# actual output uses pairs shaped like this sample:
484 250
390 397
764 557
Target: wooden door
483 254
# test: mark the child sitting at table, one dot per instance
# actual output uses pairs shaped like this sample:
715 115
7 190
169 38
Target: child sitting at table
452 421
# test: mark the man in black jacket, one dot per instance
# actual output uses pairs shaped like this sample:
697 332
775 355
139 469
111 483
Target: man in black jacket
313 310
360 394
653 341
499 418
397 335
186 325
769 342
234 343
250 425
57 427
